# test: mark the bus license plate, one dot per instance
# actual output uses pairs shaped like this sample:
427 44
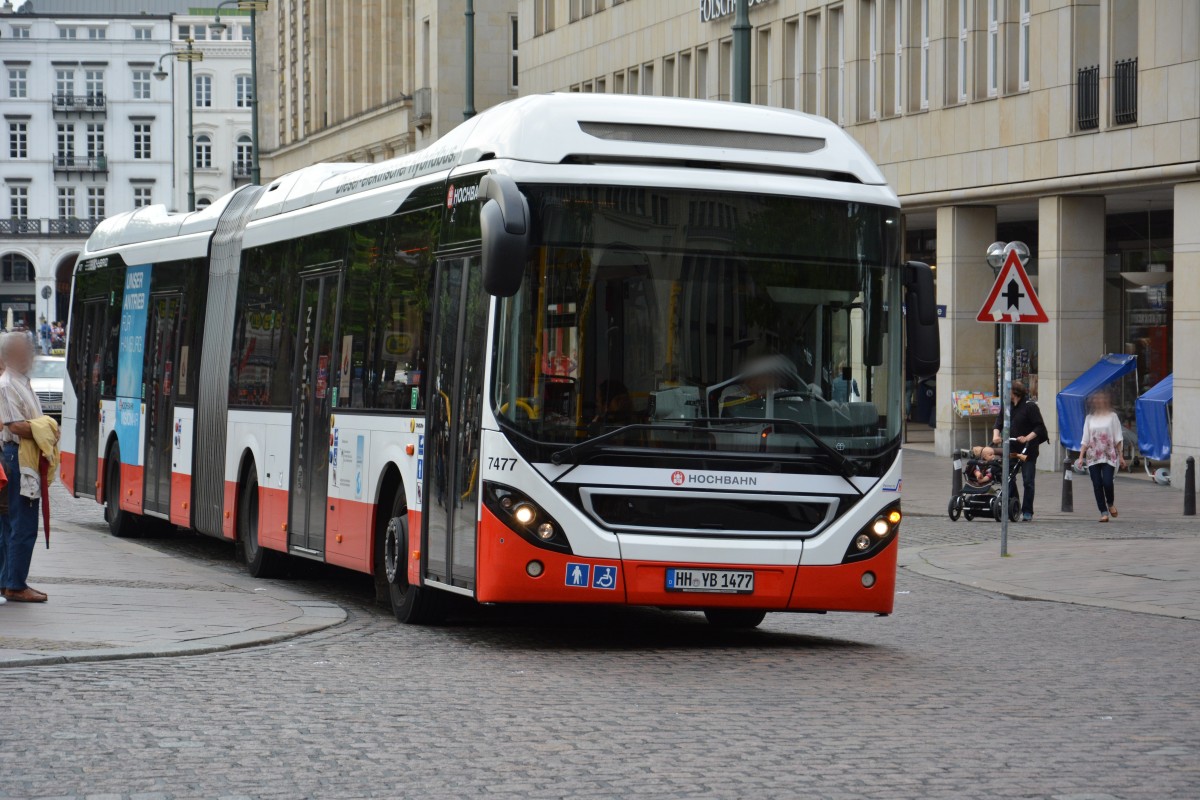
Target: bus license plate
720 581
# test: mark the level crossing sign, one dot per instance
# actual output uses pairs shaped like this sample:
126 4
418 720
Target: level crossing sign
1012 298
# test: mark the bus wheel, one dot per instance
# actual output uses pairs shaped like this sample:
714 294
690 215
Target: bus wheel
413 605
120 522
730 618
261 562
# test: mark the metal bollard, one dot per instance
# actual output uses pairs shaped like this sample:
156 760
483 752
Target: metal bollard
1189 487
956 478
1068 496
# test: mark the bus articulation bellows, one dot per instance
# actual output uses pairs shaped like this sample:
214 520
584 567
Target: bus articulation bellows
584 349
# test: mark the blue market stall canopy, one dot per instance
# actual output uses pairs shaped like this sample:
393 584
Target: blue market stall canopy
1071 401
1153 421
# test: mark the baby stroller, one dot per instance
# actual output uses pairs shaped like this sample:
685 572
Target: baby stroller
981 484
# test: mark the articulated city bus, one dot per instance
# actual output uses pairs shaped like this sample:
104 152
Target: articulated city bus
584 349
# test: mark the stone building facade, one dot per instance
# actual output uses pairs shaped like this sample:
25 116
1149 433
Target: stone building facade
1072 125
381 80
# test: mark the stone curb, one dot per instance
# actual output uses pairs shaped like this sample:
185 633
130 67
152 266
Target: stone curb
913 559
314 616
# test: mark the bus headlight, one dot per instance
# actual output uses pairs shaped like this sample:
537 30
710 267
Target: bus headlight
524 517
875 535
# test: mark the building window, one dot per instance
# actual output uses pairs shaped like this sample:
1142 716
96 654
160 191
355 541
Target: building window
141 196
702 73
64 82
898 56
141 84
648 79
15 268
871 20
18 82
963 36
246 33
543 16
203 203
185 32
1023 56
18 140
837 55
142 34
66 144
685 74
243 155
21 32
200 33
243 91
67 33
66 202
18 201
93 83
512 43
925 46
95 199
141 140
95 139
812 63
668 77
203 151
203 98
993 48
97 33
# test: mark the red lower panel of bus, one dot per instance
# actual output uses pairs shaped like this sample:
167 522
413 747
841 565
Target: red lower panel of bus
132 488
100 488
348 534
414 548
839 587
503 577
229 511
66 471
272 518
181 500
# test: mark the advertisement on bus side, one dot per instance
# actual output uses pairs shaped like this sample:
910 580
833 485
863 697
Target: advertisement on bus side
130 357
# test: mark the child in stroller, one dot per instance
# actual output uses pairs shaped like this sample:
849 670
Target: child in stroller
983 476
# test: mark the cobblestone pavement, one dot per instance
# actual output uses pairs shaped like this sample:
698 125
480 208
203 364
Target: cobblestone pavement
959 694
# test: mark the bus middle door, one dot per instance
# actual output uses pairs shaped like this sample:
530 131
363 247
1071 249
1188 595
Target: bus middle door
312 401
87 367
161 356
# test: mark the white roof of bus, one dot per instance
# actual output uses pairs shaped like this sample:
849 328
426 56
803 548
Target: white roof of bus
550 129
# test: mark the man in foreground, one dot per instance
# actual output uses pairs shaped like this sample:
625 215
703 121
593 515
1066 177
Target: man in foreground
1027 427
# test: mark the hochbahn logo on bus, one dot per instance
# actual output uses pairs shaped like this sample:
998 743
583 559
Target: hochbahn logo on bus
463 194
679 478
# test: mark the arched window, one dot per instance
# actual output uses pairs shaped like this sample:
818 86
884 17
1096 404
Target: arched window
204 153
15 268
244 156
203 203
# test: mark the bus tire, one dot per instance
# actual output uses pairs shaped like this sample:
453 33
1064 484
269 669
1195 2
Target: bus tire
734 618
412 605
121 523
261 562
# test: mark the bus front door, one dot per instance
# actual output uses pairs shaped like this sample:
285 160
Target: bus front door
452 437
161 356
87 367
316 362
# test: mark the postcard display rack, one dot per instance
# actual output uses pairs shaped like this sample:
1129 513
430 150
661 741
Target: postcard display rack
975 405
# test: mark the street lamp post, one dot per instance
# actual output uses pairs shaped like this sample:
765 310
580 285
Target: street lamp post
189 56
741 52
253 6
469 111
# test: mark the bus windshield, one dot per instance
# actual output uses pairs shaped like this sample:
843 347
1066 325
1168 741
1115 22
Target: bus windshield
709 321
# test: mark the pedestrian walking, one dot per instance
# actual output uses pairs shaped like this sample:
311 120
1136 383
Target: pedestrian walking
1027 427
21 413
1100 450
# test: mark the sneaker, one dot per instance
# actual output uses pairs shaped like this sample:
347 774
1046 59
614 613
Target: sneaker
1027 518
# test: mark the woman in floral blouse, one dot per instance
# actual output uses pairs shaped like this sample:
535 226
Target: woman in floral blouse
1100 450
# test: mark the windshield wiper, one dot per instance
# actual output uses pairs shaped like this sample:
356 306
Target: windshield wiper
572 453
847 467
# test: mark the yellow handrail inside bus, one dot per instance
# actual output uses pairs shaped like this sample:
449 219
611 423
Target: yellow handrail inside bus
521 404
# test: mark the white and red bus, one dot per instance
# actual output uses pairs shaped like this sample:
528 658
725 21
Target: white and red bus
589 349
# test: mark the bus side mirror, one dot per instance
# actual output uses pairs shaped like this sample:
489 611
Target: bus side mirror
505 231
920 302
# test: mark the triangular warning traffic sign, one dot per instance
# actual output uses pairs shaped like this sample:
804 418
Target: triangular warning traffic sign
1012 298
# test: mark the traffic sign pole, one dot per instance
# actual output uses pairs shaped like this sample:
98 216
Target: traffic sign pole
1006 432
